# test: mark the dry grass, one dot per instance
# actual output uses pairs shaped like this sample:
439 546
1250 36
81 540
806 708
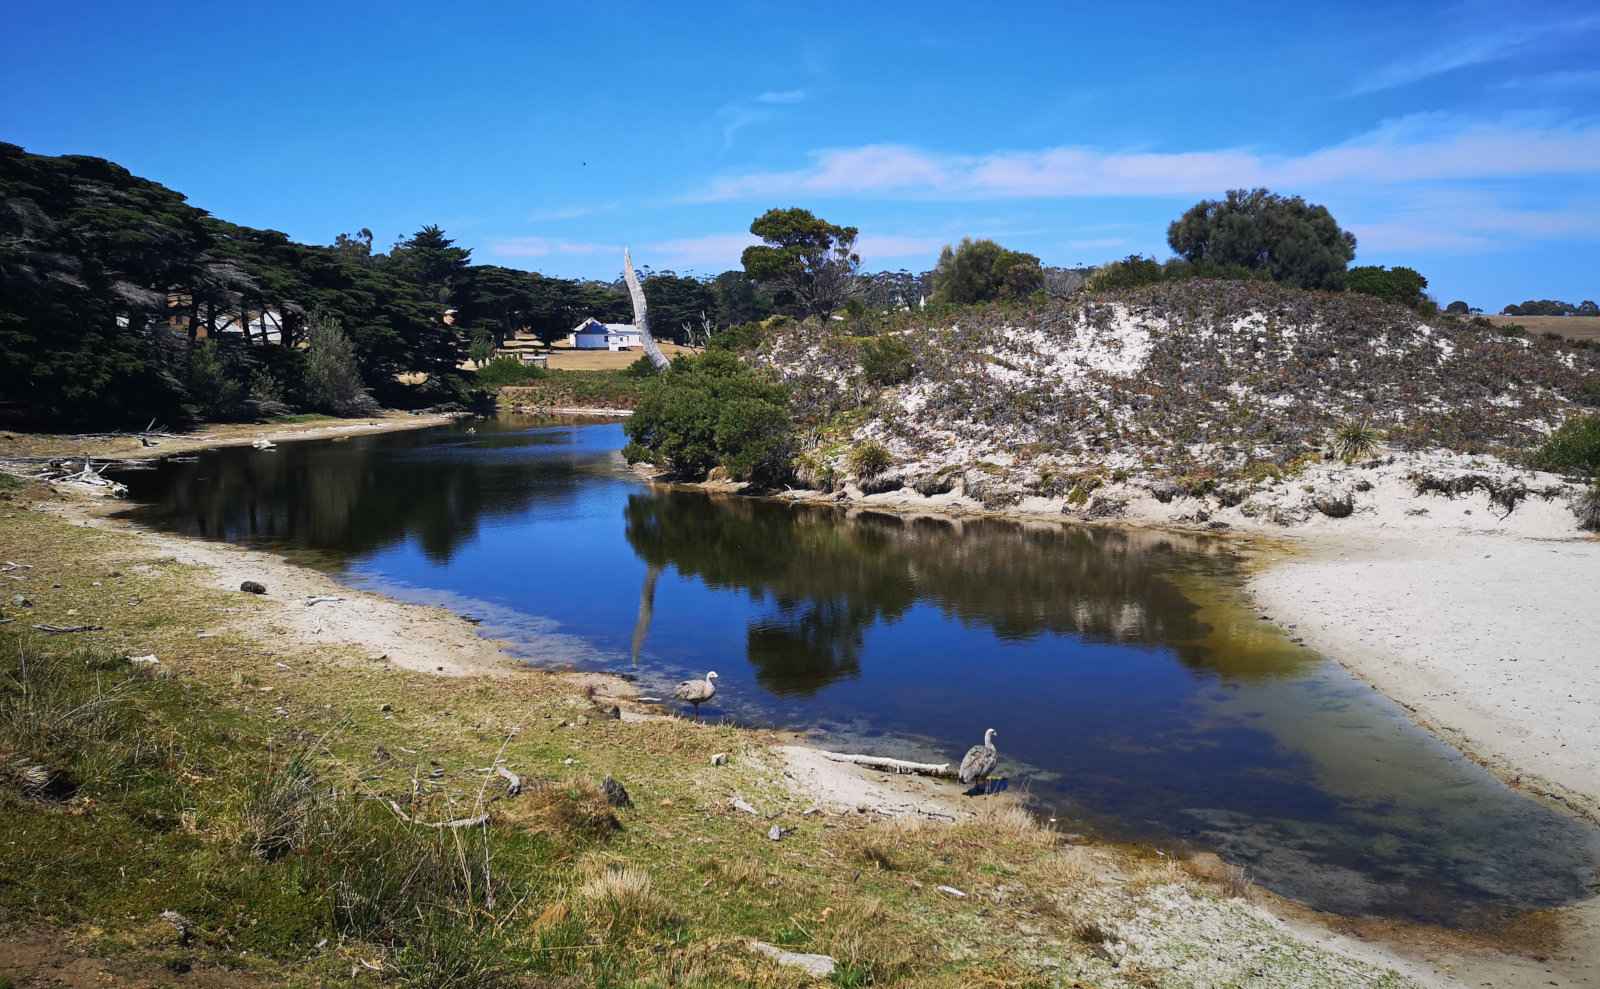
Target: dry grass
566 358
1571 327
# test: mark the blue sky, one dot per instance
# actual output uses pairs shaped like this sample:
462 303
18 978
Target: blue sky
1462 139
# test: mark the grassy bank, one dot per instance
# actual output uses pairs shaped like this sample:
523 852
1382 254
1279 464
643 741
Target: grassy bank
277 795
575 390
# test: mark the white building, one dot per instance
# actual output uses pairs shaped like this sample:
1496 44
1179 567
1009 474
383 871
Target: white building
591 334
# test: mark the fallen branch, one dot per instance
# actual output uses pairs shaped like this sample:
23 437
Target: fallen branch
892 765
513 781
462 822
67 629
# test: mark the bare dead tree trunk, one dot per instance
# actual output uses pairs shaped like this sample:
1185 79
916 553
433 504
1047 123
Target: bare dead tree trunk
641 318
647 609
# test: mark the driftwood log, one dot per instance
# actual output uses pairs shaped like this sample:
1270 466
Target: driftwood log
893 765
461 822
641 314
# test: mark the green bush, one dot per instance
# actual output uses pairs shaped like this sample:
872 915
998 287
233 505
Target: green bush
333 379
215 390
713 410
644 367
1398 284
744 336
1354 440
887 360
1587 507
1572 449
504 371
869 459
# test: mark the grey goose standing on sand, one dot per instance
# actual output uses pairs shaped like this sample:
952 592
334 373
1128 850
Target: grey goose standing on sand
697 692
980 760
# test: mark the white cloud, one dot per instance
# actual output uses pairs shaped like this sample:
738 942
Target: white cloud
1555 82
558 213
1410 149
782 96
1504 38
540 247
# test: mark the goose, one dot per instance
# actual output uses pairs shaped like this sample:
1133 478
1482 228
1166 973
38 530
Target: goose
697 692
980 760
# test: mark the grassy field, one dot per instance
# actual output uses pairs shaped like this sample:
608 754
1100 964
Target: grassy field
577 390
1571 327
279 798
565 358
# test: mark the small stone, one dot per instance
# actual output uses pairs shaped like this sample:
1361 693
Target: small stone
720 759
615 714
616 794
253 587
775 833
386 708
20 601
818 966
952 891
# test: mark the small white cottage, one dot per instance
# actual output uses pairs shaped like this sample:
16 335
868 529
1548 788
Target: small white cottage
591 334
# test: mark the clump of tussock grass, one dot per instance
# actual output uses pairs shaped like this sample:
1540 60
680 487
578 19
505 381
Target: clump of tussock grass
868 460
617 901
1354 440
868 954
573 808
1586 506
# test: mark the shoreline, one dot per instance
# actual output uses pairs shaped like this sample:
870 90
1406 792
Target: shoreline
433 640
1449 667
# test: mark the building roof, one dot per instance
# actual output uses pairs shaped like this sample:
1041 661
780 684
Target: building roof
594 326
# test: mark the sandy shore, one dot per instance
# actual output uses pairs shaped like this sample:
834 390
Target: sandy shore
1491 641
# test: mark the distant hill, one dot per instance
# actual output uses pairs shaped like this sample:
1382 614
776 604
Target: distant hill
1220 380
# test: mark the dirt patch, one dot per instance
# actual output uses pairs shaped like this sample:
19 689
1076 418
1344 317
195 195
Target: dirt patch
50 958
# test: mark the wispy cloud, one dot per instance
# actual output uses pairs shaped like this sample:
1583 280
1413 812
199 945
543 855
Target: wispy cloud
540 247
559 213
1502 38
782 97
736 116
1555 82
1410 149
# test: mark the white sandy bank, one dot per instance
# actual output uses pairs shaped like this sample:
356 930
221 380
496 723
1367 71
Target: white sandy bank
1492 640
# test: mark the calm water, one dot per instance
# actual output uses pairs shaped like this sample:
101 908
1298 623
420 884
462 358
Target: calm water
1131 692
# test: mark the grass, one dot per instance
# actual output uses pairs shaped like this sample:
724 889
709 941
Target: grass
1354 440
260 789
1573 449
869 459
577 389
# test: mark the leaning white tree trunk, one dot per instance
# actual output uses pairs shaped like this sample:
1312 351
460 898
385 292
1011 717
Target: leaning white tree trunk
641 317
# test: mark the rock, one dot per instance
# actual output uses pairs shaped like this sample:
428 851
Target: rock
819 966
150 660
386 708
1228 497
740 804
776 833
253 587
1363 485
720 759
616 793
718 473
1105 507
1335 503
615 714
1165 491
20 601
952 891
180 923
887 481
935 484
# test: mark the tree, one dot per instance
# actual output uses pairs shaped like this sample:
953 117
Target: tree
333 381
494 300
810 261
982 271
1588 308
1398 284
738 299
432 262
357 247
712 410
677 304
1457 308
1294 242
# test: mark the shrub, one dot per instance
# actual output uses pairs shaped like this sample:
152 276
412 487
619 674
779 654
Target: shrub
644 367
1587 507
1354 440
333 380
983 271
503 371
1572 449
887 360
1398 284
214 388
711 410
744 336
869 459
